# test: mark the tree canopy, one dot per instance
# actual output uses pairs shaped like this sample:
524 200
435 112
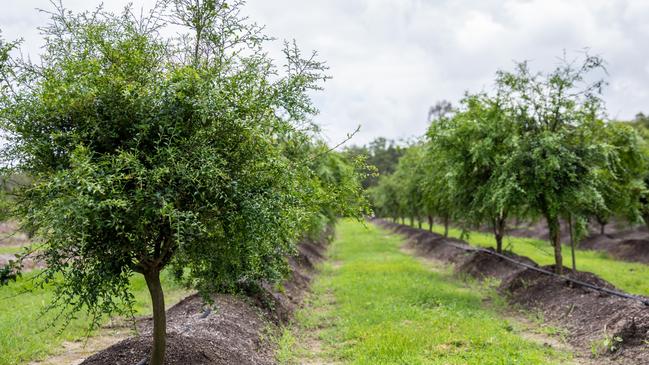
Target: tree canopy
538 145
194 152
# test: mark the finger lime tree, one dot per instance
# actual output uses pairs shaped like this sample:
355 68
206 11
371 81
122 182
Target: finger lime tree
474 148
193 153
559 119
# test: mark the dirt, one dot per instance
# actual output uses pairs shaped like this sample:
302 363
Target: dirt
11 236
74 352
232 330
482 265
591 318
609 329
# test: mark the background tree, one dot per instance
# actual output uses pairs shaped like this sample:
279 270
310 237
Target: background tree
475 146
409 177
558 155
382 154
193 153
621 178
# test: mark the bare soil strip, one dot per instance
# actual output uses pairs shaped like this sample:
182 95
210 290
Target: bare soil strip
608 329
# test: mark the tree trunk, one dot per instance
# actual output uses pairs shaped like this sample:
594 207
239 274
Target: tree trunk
412 222
602 223
403 220
159 317
499 233
572 244
555 240
446 222
419 222
430 223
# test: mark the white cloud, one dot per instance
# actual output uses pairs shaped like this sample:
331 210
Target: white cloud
392 59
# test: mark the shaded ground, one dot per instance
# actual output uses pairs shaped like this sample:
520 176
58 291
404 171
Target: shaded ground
233 330
611 329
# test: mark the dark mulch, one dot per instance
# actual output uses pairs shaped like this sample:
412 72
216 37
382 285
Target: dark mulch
483 265
231 330
590 316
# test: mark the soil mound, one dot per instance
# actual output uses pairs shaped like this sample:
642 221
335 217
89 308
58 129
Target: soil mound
227 332
608 325
438 248
232 330
429 244
482 265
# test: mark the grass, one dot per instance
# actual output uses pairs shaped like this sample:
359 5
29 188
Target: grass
26 335
10 249
373 304
627 276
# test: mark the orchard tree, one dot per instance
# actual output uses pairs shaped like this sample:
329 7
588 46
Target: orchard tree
385 198
558 155
409 177
621 177
148 153
475 146
440 191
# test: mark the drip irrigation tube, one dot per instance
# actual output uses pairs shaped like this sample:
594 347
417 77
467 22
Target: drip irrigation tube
616 293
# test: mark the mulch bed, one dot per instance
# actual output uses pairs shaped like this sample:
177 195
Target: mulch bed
617 329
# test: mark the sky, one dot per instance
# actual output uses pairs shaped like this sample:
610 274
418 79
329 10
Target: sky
392 59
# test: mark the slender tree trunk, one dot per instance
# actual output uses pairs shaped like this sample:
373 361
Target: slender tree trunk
446 222
419 222
572 243
499 233
602 224
430 223
159 317
412 221
555 240
403 220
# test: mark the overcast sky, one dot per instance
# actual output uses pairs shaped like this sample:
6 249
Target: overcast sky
392 59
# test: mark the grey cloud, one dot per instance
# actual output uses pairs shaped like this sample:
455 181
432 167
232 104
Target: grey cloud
392 59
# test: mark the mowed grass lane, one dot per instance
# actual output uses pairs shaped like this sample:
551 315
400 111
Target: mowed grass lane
630 277
27 335
374 304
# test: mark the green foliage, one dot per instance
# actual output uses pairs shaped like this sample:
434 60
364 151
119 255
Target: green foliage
195 153
536 146
381 154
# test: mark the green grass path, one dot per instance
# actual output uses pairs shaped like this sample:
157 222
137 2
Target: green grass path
374 304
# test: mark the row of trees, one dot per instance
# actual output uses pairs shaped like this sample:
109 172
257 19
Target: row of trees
193 153
535 147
